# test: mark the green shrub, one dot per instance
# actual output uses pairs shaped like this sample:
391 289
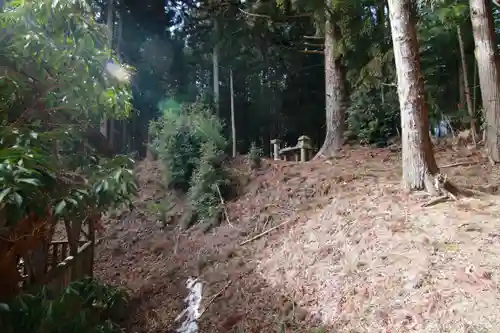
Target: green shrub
205 191
84 306
370 118
189 141
255 156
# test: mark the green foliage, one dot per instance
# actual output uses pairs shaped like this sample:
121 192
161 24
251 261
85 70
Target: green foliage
163 210
277 91
55 88
371 119
53 53
178 136
190 143
207 185
33 180
25 169
255 156
84 306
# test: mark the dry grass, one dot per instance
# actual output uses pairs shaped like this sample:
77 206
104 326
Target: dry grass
359 255
392 266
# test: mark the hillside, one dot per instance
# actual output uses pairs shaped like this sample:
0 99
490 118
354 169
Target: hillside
357 255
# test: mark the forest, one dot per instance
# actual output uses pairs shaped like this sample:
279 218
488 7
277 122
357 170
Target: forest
292 165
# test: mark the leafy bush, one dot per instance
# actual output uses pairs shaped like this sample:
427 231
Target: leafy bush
371 119
33 180
59 83
189 141
255 156
84 306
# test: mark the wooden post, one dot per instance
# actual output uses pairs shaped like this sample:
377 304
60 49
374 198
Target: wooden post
305 146
276 148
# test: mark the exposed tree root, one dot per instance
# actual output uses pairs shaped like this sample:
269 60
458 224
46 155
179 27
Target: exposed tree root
435 201
470 192
329 151
466 163
446 190
443 186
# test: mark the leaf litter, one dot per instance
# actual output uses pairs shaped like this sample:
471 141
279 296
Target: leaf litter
359 254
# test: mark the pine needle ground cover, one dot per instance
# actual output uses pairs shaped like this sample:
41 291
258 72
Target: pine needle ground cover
358 255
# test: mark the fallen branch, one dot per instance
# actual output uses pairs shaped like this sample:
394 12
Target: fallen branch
223 205
214 297
264 233
435 201
466 163
471 192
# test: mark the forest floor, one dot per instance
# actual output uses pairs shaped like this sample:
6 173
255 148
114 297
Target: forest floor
358 254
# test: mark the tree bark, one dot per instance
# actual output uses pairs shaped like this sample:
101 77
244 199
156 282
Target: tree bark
215 63
466 87
119 36
489 72
123 123
335 93
461 87
233 122
104 128
419 164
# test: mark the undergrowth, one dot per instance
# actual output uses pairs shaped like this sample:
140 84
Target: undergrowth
255 156
84 306
189 142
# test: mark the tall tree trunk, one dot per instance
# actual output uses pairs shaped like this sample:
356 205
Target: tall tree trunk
489 72
233 123
466 87
119 36
215 63
335 93
419 165
123 123
104 122
461 87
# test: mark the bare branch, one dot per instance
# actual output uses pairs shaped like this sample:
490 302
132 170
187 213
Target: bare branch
312 51
269 17
314 37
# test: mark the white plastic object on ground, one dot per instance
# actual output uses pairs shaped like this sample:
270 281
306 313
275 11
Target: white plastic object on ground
192 312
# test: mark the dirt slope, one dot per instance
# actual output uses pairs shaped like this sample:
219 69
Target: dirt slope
358 255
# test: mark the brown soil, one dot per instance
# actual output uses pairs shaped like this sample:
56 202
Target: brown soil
359 254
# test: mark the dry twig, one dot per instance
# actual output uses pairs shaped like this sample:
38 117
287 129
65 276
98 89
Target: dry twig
223 205
176 245
264 233
214 297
